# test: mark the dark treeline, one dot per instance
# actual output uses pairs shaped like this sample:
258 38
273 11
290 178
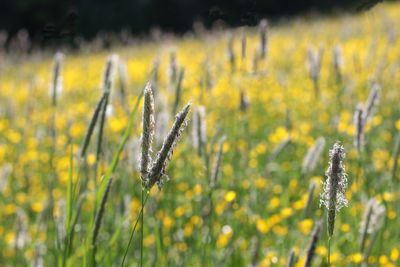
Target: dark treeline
52 19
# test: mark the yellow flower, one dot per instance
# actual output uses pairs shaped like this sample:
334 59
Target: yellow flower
274 203
91 159
9 238
230 196
179 211
305 226
9 209
188 229
262 226
345 227
149 240
356 258
287 212
383 260
197 189
180 247
397 125
260 183
321 250
394 254
37 206
168 222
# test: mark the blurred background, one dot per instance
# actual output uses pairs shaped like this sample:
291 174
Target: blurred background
49 22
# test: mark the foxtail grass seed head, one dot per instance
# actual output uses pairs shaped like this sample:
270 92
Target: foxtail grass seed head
372 220
155 77
255 62
292 258
123 73
109 73
22 236
40 251
230 52
313 155
333 197
314 59
199 138
337 59
313 243
156 69
56 85
243 42
359 126
244 101
263 28
103 113
173 67
309 199
123 81
92 124
372 101
60 221
254 250
279 148
157 171
6 170
217 163
100 212
147 133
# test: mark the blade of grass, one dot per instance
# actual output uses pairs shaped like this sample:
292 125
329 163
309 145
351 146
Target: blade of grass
68 209
69 194
115 160
92 124
134 228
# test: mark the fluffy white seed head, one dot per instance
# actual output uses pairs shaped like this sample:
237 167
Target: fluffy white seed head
336 182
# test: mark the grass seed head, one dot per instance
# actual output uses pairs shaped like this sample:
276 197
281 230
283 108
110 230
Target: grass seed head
373 100
217 163
199 137
372 220
263 28
100 212
157 171
333 197
147 133
313 155
359 125
109 72
313 243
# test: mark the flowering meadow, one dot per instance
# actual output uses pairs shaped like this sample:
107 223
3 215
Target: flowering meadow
287 152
